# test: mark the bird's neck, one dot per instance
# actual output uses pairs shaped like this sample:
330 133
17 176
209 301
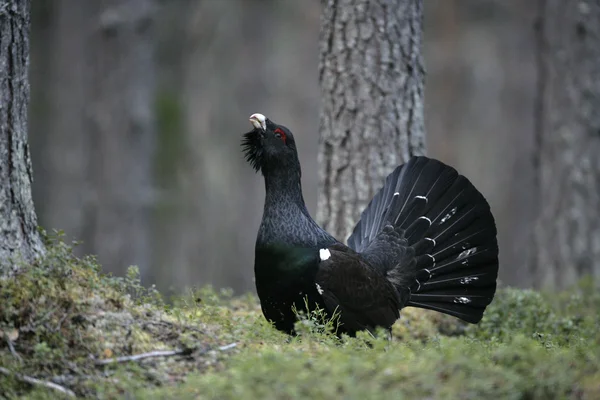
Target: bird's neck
285 217
283 189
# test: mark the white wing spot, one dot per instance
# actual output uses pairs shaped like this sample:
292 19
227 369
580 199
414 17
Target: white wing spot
319 289
462 300
324 254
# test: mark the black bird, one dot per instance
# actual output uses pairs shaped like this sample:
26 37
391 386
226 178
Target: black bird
427 239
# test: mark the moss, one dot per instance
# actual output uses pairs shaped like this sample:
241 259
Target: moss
555 319
61 315
447 368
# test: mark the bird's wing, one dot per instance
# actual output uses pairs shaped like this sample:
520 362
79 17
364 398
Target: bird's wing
362 295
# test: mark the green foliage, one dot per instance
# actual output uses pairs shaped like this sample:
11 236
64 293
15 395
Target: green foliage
562 319
316 323
60 317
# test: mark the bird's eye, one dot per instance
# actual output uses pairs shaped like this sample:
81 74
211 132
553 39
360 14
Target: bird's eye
280 134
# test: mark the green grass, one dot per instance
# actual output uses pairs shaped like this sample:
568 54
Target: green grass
61 316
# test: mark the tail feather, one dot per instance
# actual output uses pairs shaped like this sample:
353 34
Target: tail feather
415 209
449 225
456 310
417 230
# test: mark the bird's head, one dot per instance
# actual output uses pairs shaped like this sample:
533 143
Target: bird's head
269 146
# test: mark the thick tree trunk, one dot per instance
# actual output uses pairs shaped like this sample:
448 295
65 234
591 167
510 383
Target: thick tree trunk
18 222
98 140
371 75
567 233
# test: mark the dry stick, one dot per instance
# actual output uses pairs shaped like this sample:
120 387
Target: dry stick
11 347
33 381
160 353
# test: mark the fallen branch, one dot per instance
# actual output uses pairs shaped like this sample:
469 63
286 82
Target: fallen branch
34 381
160 353
137 357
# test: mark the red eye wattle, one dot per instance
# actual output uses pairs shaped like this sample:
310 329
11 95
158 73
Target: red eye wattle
280 134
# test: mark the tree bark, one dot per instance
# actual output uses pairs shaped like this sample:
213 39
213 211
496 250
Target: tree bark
18 222
371 74
567 231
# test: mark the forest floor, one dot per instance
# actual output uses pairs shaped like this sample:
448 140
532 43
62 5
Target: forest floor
66 330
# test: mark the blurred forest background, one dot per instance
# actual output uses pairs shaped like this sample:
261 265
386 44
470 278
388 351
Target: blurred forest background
137 110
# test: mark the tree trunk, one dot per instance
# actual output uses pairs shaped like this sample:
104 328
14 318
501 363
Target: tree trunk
371 75
18 222
567 232
98 140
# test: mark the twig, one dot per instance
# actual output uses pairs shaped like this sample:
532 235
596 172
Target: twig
137 357
11 347
160 353
62 319
34 381
228 346
174 325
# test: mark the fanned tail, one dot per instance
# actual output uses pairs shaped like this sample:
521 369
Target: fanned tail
449 225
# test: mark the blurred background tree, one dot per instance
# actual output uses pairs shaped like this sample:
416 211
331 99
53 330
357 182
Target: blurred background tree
138 107
93 126
567 141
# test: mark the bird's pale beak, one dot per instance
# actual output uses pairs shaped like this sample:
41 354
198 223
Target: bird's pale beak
259 121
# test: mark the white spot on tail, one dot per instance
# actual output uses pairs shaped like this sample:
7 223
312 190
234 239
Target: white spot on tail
428 220
396 194
462 300
448 216
468 279
319 289
324 254
432 240
422 197
467 253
